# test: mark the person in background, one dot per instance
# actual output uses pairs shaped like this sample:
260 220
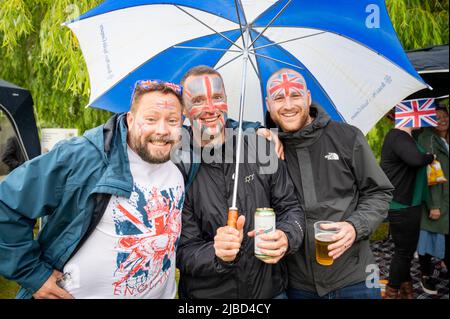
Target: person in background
13 155
404 162
433 239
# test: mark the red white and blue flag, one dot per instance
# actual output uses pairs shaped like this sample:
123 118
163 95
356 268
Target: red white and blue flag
285 83
415 113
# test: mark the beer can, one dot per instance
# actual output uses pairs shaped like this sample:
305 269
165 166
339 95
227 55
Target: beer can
264 224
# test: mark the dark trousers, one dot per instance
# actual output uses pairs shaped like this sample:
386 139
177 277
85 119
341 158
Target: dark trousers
426 266
356 291
404 227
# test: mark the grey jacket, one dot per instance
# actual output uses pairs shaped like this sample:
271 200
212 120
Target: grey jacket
338 178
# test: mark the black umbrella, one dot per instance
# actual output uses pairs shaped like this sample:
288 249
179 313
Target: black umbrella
432 65
17 104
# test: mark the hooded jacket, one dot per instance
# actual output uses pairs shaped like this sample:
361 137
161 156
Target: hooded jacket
337 178
202 274
71 185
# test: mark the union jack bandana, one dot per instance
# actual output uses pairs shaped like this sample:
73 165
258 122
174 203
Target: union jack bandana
416 113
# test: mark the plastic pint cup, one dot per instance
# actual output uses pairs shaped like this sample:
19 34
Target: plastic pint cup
324 238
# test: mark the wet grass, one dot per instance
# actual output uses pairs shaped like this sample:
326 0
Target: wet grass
8 289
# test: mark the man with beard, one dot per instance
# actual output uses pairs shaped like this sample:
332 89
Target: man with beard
337 179
113 204
216 260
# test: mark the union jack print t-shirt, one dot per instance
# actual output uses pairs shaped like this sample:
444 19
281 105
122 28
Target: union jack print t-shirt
131 253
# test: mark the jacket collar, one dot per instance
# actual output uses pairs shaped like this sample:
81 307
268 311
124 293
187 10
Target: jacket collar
309 134
111 142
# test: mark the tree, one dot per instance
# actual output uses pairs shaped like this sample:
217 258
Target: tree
38 53
419 23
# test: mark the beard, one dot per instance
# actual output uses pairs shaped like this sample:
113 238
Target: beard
208 134
211 132
149 156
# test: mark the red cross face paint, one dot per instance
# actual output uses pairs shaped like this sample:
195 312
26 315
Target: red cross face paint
287 84
288 101
164 104
206 104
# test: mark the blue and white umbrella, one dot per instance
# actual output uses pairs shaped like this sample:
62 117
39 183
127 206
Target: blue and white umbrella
347 51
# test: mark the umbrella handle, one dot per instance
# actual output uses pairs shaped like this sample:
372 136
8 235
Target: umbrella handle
233 214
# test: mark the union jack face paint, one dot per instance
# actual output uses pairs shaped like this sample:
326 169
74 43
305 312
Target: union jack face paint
206 103
286 84
288 100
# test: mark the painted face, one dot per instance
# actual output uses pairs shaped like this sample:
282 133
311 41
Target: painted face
442 118
206 104
155 127
288 101
286 84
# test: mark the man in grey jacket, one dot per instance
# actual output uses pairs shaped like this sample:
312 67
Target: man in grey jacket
339 180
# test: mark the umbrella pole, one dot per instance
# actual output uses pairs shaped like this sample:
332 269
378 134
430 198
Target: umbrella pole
241 113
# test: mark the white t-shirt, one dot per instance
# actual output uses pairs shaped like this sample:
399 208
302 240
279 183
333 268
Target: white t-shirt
131 253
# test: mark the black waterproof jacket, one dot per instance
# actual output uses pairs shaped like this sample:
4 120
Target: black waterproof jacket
338 178
202 274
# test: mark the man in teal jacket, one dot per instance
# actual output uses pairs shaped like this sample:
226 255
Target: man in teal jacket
76 184
72 186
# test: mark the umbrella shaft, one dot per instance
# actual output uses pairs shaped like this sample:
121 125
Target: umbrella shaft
241 115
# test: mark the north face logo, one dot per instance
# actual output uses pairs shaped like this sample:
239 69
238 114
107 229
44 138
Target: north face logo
332 157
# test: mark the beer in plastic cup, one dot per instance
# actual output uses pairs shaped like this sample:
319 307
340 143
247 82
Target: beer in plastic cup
324 238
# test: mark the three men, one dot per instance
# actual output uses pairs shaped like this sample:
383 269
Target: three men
124 196
113 203
215 260
337 179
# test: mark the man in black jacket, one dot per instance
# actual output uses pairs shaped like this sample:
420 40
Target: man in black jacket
215 260
337 179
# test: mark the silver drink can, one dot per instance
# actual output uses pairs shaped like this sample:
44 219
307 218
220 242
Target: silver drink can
264 224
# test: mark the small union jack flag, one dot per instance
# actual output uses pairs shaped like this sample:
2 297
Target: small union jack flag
415 113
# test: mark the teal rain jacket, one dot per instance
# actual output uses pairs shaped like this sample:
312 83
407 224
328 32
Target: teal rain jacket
61 185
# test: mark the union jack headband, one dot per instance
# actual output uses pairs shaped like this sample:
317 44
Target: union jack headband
147 85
